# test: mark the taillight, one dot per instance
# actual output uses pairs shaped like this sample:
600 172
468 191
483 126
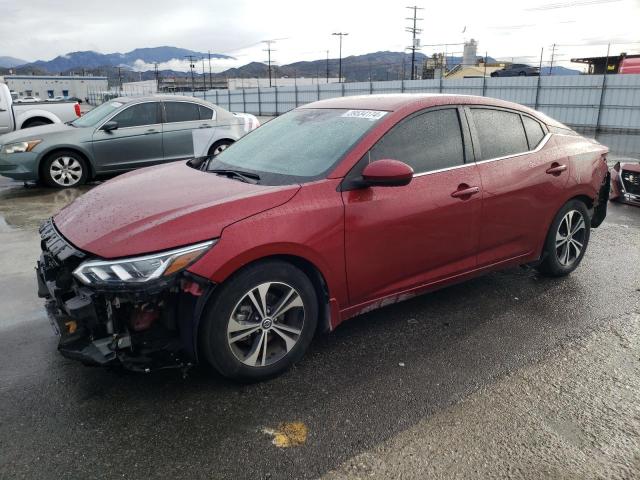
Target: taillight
77 107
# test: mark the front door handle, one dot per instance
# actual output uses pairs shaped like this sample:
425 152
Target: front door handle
556 169
151 130
465 191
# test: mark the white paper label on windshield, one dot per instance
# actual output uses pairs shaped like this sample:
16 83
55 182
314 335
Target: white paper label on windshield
366 114
116 104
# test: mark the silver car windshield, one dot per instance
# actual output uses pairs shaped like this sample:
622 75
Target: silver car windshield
301 145
95 116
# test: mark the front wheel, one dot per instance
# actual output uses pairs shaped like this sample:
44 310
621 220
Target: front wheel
260 321
64 169
219 147
566 240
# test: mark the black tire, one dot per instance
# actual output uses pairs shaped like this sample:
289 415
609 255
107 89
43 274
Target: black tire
35 123
522 74
219 145
554 262
215 340
76 175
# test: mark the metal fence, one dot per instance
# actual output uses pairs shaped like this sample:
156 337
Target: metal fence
605 106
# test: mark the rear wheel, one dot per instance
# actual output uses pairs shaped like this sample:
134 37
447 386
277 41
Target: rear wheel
64 169
35 123
567 240
218 147
260 322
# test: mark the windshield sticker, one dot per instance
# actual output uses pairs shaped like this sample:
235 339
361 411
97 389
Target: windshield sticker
116 104
366 114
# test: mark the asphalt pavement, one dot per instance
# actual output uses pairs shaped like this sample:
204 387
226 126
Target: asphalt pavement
507 375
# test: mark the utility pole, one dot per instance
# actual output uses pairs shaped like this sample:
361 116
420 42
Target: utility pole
192 59
553 54
210 77
327 66
156 73
340 34
415 43
268 43
204 76
120 78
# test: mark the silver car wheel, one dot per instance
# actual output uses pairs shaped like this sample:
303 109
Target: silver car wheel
570 238
266 324
219 149
66 171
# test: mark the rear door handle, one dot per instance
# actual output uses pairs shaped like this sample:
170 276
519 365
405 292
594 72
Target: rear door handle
465 191
204 125
556 169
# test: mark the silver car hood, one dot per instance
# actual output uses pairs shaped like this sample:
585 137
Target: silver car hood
35 133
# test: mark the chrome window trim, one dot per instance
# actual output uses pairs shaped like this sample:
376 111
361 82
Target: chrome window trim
540 146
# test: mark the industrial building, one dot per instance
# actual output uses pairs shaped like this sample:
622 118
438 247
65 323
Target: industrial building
51 86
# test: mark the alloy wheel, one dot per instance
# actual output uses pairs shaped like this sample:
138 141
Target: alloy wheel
65 171
266 324
570 238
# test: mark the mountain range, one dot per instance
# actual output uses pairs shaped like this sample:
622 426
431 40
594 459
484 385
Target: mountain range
89 59
376 66
10 62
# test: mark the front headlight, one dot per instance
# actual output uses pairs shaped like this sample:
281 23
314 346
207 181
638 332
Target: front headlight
20 147
140 269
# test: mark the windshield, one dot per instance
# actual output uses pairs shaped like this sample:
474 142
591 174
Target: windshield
300 146
95 116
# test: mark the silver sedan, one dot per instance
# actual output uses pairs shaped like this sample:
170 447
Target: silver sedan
120 135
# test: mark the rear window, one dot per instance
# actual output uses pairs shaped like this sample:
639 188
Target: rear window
534 130
500 133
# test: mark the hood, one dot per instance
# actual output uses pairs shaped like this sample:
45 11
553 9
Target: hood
35 133
630 167
163 207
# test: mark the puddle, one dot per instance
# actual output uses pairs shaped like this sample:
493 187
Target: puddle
26 208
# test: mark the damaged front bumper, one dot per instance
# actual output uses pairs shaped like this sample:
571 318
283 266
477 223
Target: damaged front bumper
141 327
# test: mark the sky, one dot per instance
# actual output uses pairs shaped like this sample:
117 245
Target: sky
516 29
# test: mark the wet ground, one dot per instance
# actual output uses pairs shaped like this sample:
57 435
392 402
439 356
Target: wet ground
507 375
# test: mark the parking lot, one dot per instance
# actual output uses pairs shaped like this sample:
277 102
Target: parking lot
510 374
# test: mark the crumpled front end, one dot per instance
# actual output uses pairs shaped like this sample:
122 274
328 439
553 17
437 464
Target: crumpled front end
141 327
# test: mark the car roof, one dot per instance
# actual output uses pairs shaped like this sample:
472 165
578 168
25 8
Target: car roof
175 98
397 101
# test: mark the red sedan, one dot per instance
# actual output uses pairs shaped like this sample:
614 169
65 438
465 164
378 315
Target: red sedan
331 210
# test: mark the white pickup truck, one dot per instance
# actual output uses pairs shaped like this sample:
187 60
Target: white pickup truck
15 116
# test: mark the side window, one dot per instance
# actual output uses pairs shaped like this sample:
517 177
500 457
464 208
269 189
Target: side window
137 115
534 130
205 113
181 112
500 133
429 141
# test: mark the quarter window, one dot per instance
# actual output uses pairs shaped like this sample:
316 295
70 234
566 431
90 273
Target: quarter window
181 112
535 134
138 115
205 113
500 133
430 141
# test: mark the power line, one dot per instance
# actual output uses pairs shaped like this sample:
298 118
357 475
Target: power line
415 43
192 59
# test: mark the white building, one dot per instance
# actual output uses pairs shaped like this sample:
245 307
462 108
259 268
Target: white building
143 88
51 86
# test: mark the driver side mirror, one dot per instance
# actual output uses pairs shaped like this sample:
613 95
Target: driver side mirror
387 173
110 126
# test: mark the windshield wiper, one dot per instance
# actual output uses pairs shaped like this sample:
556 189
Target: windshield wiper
247 177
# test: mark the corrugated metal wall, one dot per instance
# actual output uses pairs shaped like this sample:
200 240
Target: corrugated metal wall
579 101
